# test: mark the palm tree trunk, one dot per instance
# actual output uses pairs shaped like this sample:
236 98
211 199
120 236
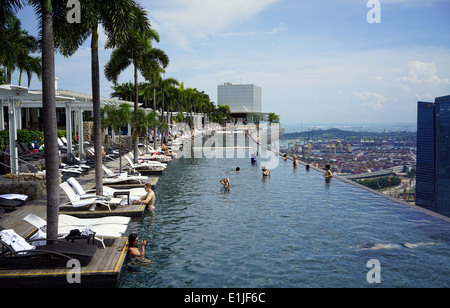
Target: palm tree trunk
95 74
50 123
154 127
136 107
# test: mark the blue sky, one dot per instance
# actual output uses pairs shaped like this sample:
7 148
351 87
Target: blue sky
317 61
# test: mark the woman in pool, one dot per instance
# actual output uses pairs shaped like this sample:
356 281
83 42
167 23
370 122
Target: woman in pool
226 183
133 249
265 172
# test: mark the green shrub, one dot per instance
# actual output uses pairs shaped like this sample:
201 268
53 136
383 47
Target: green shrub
25 135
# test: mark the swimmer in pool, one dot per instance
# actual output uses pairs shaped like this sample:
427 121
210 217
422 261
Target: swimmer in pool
226 183
328 175
371 246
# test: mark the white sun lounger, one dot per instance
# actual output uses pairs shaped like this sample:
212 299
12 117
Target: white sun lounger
78 202
79 189
125 177
138 192
146 164
110 173
135 193
105 227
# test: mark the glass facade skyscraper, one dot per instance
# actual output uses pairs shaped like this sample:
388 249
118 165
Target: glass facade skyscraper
433 155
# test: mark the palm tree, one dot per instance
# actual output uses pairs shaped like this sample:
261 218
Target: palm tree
116 117
7 10
43 9
115 17
30 65
138 51
19 45
165 86
124 91
172 96
272 117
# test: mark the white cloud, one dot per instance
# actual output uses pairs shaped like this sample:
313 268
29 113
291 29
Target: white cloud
277 30
418 72
373 101
193 20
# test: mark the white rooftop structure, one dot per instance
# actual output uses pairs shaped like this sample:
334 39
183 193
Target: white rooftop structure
242 98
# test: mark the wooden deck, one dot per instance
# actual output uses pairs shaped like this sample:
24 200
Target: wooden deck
105 268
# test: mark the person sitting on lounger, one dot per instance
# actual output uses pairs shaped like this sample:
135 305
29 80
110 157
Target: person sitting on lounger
166 149
148 199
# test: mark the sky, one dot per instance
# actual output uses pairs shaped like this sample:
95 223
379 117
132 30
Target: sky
317 61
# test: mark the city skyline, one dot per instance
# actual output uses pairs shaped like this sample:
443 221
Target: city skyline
320 61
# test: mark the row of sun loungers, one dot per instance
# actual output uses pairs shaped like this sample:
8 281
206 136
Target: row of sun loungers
14 247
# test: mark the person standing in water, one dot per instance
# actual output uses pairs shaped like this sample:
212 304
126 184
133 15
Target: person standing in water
265 172
149 198
133 249
328 175
226 183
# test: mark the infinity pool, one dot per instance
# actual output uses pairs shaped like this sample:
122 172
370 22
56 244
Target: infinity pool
290 230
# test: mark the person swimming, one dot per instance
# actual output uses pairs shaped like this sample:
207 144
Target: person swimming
226 183
377 246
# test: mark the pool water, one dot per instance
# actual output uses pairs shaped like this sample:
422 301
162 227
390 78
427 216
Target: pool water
290 230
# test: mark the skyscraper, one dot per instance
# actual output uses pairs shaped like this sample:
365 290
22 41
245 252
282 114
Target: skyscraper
433 155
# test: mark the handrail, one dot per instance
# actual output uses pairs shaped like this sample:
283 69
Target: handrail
19 159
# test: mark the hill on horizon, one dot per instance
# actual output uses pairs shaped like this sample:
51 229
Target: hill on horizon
336 133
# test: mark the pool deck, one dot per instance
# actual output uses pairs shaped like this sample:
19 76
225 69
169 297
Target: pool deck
106 266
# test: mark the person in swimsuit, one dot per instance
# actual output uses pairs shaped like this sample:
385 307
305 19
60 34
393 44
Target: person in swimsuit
148 199
226 183
328 175
133 249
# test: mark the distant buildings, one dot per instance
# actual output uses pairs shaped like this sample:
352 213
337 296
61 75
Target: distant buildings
433 155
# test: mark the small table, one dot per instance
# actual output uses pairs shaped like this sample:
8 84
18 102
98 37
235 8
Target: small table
122 193
81 237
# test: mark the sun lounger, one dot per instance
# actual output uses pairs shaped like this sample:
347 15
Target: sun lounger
110 174
16 248
137 192
79 189
134 194
20 197
124 177
146 164
11 201
77 202
105 227
8 204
